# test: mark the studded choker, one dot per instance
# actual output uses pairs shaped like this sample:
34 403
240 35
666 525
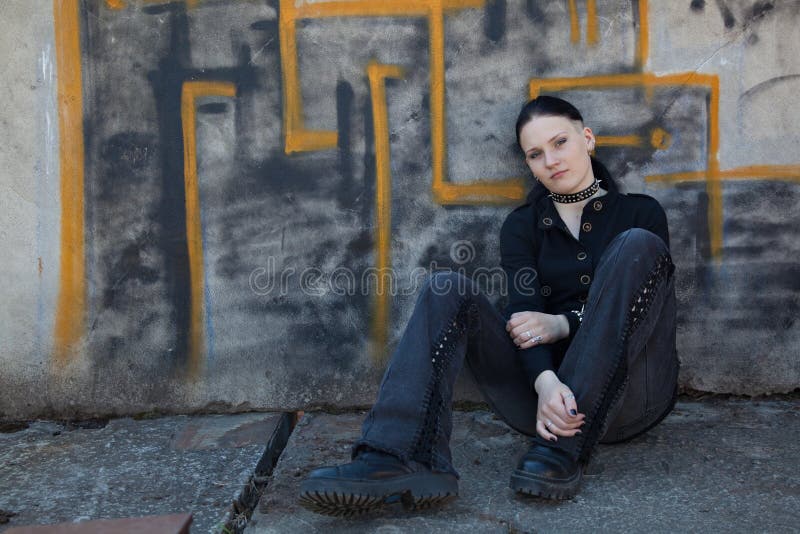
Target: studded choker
576 197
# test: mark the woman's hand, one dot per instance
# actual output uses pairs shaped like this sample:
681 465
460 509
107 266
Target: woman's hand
557 412
533 328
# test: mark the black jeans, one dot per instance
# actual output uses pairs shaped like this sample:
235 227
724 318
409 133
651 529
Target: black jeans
621 365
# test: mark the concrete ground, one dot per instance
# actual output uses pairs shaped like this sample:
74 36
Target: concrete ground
710 466
713 466
52 472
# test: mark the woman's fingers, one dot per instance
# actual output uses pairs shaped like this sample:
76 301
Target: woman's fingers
524 341
560 425
528 333
553 417
559 430
517 319
521 331
520 338
548 428
519 328
556 423
570 405
542 430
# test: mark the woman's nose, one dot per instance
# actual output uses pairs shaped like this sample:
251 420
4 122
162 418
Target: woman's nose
549 159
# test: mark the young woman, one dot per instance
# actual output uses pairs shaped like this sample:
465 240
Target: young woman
585 351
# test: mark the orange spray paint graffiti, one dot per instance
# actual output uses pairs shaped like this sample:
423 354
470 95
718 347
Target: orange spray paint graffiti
377 74
298 138
71 306
192 91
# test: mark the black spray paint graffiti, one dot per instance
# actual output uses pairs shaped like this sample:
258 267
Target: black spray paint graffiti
749 12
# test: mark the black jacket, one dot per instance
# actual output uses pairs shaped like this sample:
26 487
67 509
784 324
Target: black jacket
550 271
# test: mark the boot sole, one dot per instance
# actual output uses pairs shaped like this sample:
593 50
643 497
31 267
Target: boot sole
548 488
353 498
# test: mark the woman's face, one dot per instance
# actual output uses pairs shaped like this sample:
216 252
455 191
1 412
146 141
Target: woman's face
557 153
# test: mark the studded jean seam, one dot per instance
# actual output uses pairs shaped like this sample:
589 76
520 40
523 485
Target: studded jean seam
442 351
617 378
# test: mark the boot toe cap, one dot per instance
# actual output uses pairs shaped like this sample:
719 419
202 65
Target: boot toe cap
324 472
547 462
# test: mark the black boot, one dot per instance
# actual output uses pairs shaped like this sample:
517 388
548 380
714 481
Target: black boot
372 480
547 472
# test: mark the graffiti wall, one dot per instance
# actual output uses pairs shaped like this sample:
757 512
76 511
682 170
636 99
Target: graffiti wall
233 204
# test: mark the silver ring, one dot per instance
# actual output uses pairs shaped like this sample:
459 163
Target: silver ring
547 424
537 339
528 333
570 396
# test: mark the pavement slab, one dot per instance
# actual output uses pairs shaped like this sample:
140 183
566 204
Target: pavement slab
719 465
53 472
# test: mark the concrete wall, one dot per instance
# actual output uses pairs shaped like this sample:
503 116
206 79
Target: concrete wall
195 193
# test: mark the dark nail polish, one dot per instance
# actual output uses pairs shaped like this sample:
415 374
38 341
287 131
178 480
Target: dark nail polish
573 412
552 439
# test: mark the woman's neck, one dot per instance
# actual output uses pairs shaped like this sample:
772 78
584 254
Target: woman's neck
577 207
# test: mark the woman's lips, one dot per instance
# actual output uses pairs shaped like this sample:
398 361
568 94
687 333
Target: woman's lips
558 174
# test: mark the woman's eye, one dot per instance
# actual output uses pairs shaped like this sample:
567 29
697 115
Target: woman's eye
561 141
533 155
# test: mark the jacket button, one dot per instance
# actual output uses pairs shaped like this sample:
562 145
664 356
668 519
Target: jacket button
587 227
582 299
597 205
546 291
547 221
581 256
585 279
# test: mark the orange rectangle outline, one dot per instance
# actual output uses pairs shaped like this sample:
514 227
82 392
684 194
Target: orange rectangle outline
648 81
297 138
644 80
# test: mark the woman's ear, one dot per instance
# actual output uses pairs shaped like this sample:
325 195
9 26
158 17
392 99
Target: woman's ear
590 139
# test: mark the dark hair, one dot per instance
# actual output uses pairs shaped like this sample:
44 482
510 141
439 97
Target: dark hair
551 106
546 106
